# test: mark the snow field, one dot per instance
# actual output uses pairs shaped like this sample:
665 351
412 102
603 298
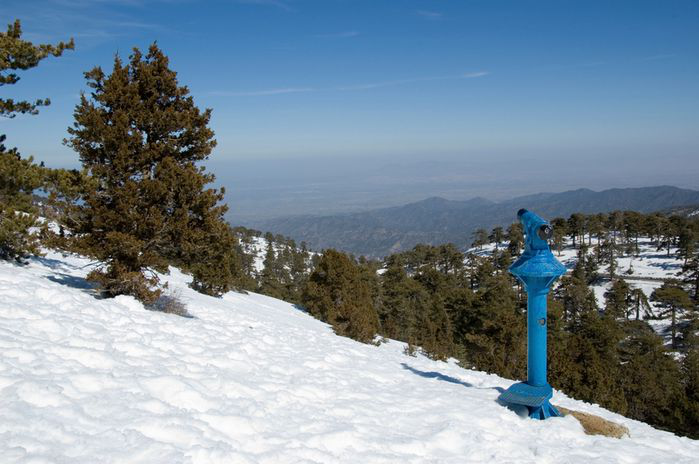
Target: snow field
252 379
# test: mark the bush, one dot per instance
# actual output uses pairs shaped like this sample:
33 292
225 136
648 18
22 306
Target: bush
170 303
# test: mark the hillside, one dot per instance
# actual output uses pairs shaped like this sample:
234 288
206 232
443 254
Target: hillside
251 379
436 220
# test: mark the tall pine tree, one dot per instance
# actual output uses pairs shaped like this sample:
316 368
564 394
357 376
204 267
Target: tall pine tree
140 136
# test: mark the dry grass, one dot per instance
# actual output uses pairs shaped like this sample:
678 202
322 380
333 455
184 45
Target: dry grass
170 303
595 425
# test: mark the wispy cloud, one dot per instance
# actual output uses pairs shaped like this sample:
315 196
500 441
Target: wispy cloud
472 75
375 85
262 93
662 56
353 87
274 3
433 15
338 35
90 22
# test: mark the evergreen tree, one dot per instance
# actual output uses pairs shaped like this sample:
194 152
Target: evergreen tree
617 300
213 259
141 137
691 276
633 223
19 177
609 253
271 281
575 294
639 301
335 293
495 330
674 301
394 312
299 271
576 224
480 238
686 244
596 227
496 236
592 349
559 233
690 382
515 238
450 260
651 382
368 270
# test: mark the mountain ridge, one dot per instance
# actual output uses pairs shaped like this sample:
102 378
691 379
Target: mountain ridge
435 220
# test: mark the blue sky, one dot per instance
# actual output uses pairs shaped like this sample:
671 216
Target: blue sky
541 81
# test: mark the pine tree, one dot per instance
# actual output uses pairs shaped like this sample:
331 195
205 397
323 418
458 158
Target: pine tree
639 301
652 382
686 244
271 282
617 300
495 329
299 271
595 224
592 348
576 224
674 301
515 238
450 260
480 238
19 177
140 136
560 231
496 236
690 382
575 295
633 223
335 293
395 313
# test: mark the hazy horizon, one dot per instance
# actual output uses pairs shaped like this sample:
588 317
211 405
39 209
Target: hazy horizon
326 106
268 188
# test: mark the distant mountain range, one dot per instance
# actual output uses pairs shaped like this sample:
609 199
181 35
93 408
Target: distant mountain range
379 232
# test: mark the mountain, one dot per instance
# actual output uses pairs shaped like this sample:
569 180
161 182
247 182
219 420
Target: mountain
379 232
251 379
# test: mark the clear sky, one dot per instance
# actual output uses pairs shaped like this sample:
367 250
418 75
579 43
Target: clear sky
535 82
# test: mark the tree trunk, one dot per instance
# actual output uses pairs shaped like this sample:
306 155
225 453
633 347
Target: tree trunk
674 328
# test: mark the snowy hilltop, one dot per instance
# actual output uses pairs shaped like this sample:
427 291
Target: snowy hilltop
251 379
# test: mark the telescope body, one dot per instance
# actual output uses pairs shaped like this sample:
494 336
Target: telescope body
537 269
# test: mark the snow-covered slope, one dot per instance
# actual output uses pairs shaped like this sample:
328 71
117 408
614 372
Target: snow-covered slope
252 379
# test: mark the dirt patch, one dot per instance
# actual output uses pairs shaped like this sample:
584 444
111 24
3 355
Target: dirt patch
595 425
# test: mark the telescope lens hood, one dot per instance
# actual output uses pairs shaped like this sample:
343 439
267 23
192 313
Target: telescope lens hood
545 232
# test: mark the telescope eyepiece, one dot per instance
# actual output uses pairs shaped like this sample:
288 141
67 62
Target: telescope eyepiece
545 232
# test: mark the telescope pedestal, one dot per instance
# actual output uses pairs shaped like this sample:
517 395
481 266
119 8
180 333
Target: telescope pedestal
537 269
536 399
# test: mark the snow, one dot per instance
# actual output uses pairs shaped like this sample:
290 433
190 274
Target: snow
251 379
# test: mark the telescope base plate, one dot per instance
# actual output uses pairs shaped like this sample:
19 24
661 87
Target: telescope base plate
536 399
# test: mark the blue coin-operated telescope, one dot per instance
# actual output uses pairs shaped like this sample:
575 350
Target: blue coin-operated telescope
537 268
